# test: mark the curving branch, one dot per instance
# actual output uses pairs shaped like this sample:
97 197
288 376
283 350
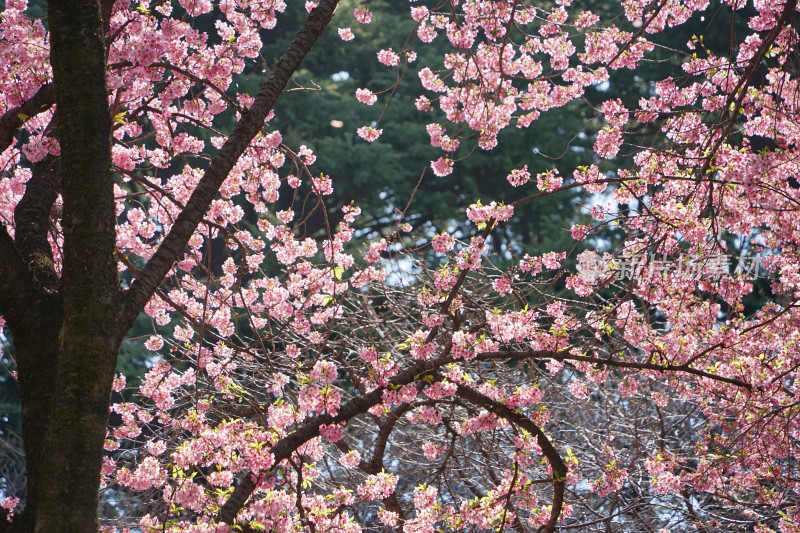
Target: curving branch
310 429
156 269
15 117
549 451
375 465
351 409
359 405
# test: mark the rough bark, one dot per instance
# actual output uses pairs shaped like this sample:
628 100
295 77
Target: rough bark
88 341
34 316
36 345
32 223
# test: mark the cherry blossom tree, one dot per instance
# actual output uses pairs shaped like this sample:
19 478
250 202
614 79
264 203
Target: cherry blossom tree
409 381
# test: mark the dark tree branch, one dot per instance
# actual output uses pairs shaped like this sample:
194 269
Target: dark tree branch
15 117
32 222
549 451
246 129
310 430
34 316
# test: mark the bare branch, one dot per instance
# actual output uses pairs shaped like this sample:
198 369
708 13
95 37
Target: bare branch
564 356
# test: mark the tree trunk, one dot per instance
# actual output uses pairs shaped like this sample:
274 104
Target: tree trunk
89 338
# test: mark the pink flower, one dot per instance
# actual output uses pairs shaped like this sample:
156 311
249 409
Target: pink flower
365 96
549 181
423 103
9 504
196 7
364 16
442 166
388 58
119 383
388 518
307 154
586 19
293 181
502 285
156 447
333 433
628 386
419 13
154 343
611 481
579 231
443 243
368 133
426 33
368 354
578 389
431 81
322 185
377 486
431 450
608 143
350 459
615 113
324 372
375 250
481 214
346 34
519 176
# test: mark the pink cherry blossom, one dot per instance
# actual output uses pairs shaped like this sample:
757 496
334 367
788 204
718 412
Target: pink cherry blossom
365 96
362 15
388 58
346 34
368 133
443 242
442 167
519 176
